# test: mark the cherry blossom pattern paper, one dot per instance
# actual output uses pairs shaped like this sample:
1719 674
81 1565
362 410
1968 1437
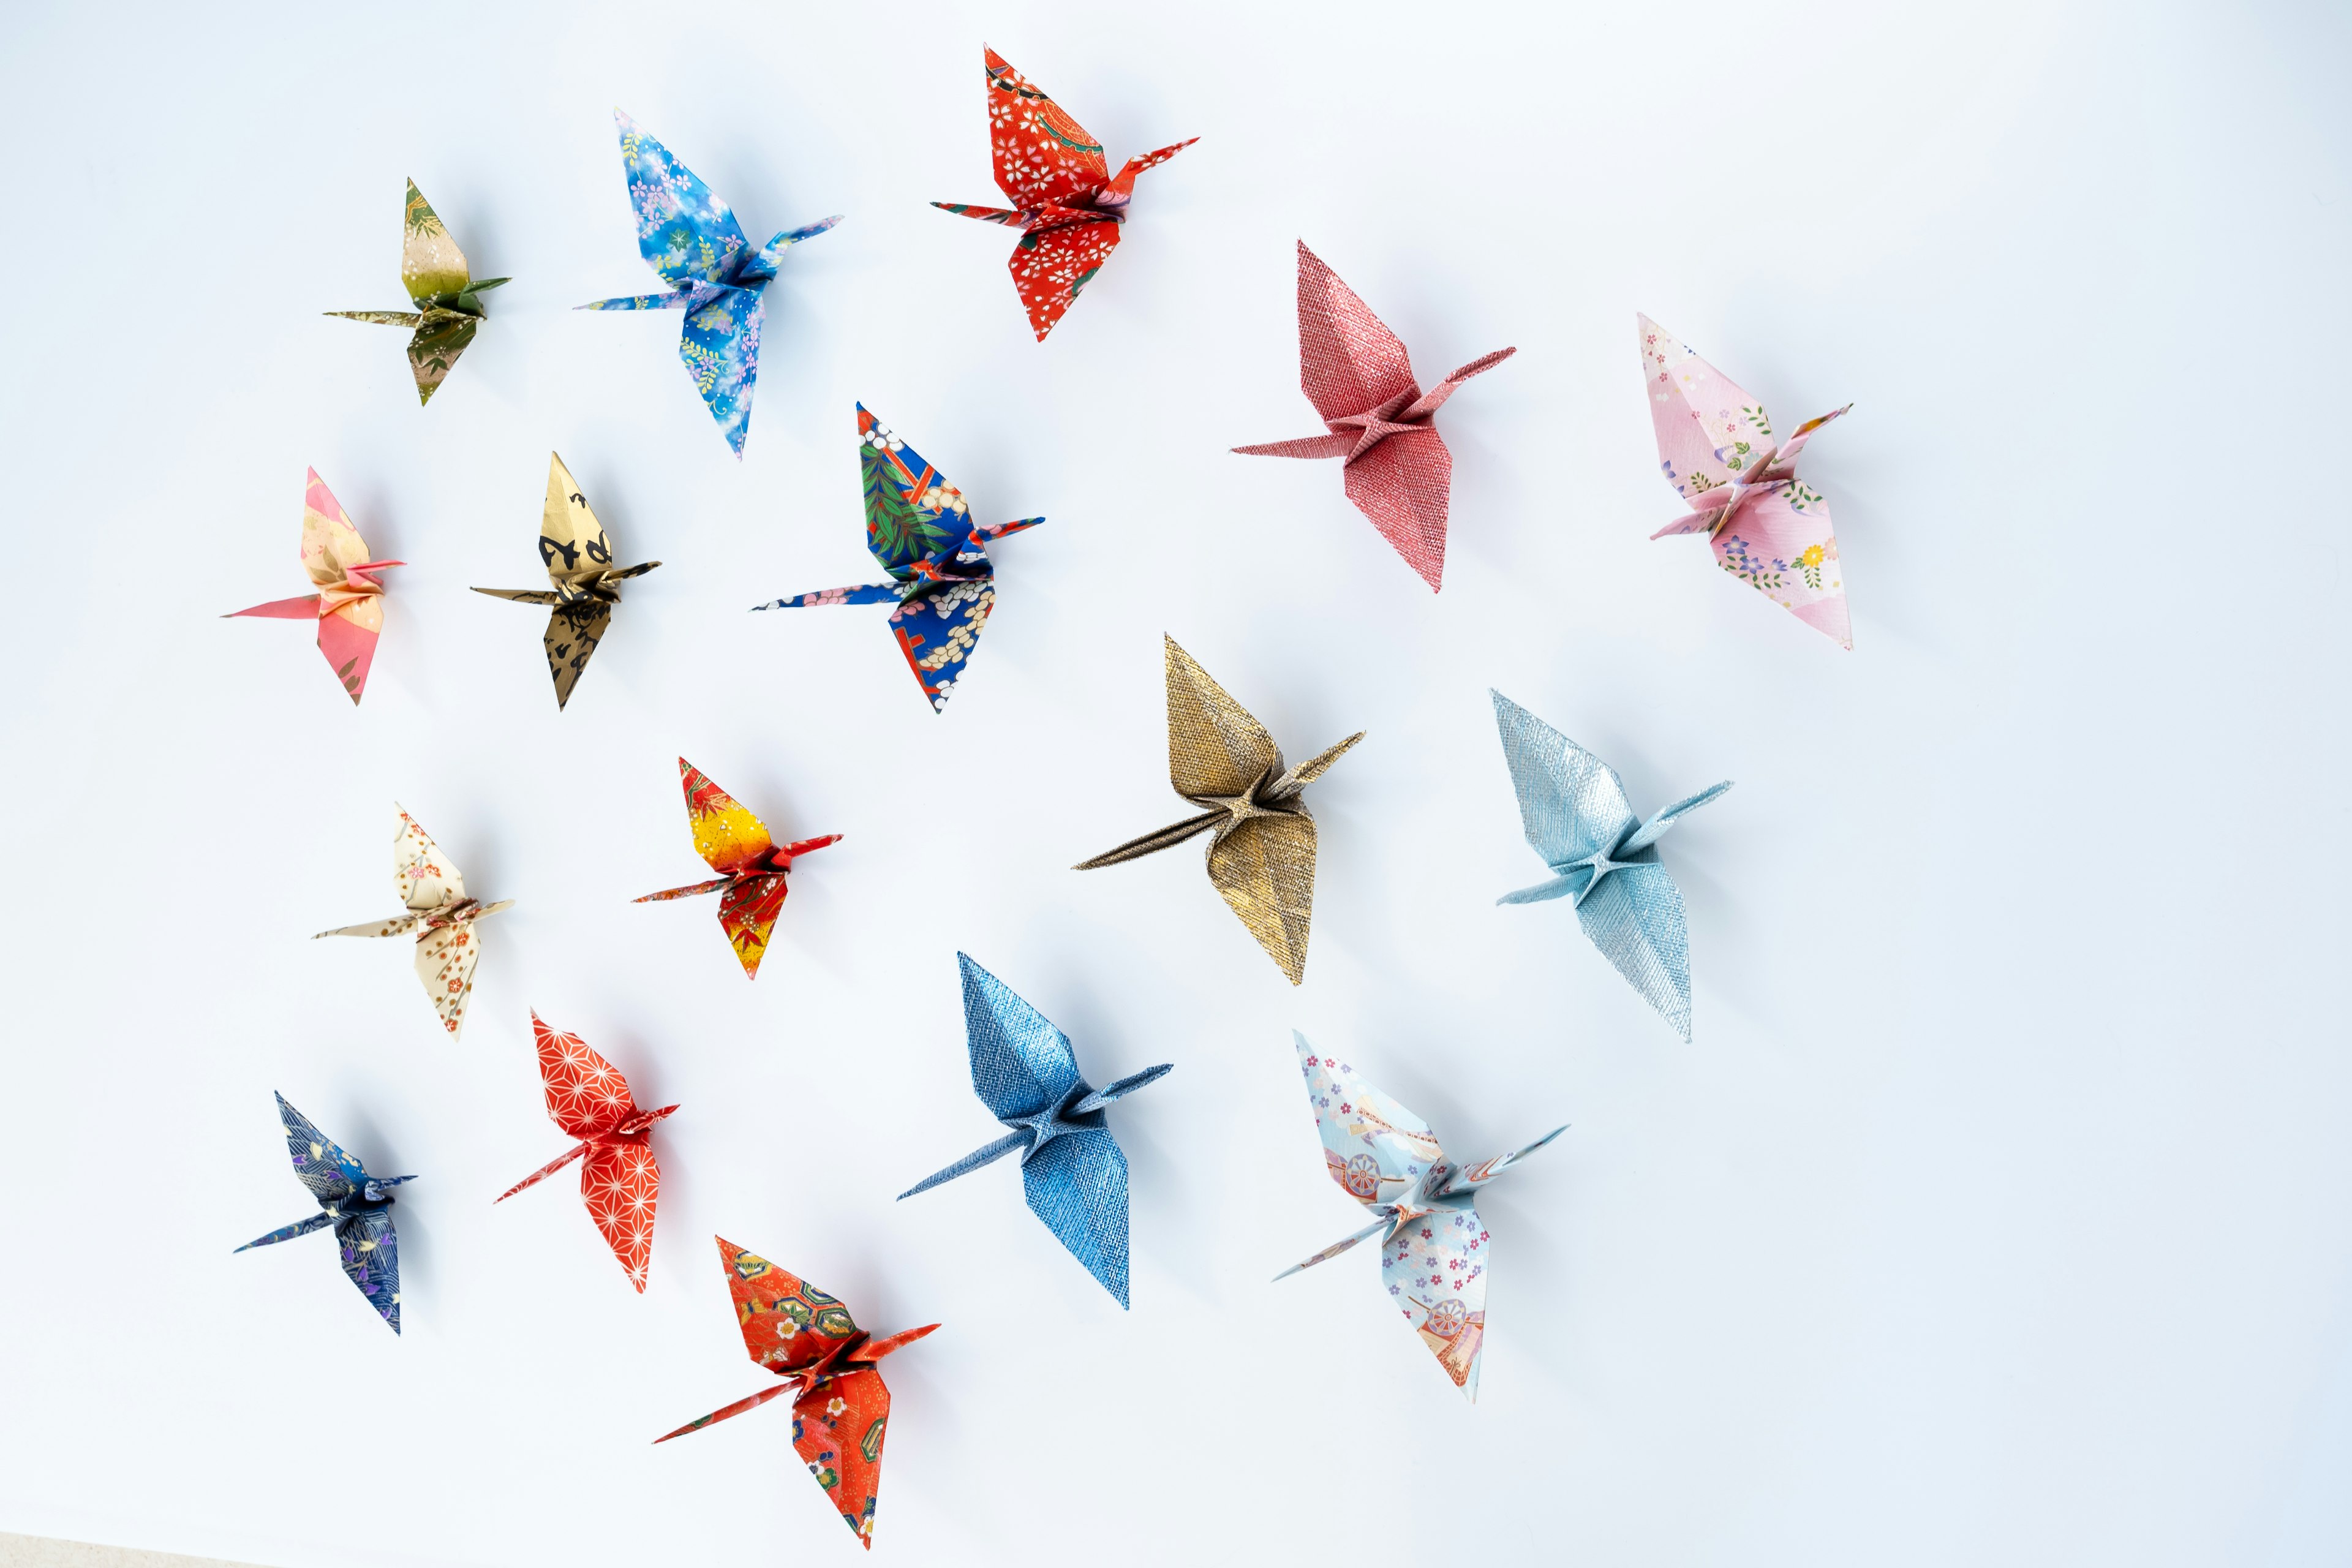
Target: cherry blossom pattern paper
1065 204
620 1180
691 241
1396 467
1716 447
440 913
1434 1247
349 605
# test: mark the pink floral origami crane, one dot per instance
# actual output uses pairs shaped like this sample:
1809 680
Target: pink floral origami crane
1716 447
1355 373
348 606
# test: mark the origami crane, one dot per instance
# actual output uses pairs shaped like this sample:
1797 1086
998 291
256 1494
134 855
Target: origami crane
751 882
919 527
1716 447
1432 1247
587 583
619 1177
829 1365
440 914
348 606
690 238
1574 807
1071 1168
1262 857
357 1204
1068 207
1353 369
447 298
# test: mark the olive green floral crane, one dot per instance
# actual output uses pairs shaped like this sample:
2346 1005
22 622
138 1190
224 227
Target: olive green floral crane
448 301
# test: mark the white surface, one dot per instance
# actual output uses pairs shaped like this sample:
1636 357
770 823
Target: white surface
1998 1212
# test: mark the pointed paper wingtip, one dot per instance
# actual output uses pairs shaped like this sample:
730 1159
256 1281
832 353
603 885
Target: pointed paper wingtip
1504 708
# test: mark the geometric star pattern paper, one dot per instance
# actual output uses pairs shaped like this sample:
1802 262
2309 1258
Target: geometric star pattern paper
619 1178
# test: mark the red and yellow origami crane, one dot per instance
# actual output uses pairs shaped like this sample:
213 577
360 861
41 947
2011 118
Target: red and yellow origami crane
751 867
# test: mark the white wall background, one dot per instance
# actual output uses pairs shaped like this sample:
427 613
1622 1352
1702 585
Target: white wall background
2002 1210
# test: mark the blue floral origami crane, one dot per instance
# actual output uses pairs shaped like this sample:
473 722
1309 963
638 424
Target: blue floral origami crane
357 1204
1574 807
1434 1248
692 239
943 583
1024 1070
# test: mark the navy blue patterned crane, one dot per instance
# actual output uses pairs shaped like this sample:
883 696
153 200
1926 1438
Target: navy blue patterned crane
357 1204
